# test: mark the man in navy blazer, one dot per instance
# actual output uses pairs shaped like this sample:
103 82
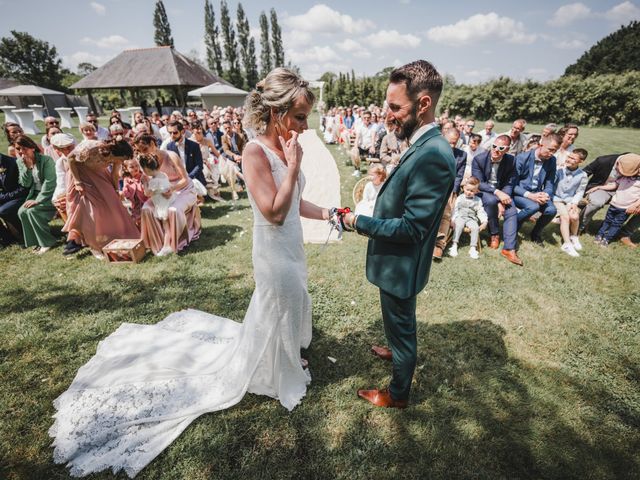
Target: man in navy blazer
535 183
188 150
496 170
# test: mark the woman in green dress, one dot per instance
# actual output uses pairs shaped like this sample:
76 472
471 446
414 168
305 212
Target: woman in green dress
38 175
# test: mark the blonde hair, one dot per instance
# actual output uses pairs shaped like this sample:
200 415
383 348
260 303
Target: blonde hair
278 91
378 169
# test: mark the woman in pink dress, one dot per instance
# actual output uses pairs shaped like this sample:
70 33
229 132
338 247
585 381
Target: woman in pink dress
96 214
183 223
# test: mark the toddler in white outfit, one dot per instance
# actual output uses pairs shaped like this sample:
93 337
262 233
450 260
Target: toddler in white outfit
468 212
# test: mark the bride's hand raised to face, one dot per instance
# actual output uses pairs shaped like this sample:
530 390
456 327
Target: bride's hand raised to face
292 152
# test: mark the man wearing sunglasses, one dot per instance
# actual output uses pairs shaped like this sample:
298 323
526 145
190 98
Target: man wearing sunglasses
496 171
189 151
535 184
48 122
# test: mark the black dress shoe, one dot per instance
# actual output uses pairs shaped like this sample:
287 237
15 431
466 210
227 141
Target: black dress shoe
72 247
537 239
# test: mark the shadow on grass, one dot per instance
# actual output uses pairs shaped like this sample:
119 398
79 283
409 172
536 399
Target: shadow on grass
213 211
212 237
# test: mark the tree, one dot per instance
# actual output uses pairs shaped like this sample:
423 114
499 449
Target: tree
29 60
211 32
616 53
265 46
232 73
194 56
85 68
247 50
162 35
276 40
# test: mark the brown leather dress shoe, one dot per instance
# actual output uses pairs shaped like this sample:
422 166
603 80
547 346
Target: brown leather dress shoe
628 242
382 352
437 253
512 256
382 398
495 242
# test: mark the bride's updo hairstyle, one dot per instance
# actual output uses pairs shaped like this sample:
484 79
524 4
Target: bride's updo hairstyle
278 91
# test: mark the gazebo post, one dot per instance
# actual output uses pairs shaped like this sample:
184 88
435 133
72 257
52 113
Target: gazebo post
92 102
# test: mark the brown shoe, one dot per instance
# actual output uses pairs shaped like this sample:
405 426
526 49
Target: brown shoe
512 256
382 352
437 253
495 242
627 241
382 398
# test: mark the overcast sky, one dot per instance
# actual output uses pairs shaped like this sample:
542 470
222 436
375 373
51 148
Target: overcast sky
472 40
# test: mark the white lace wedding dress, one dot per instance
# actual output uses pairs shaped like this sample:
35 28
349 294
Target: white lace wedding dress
147 383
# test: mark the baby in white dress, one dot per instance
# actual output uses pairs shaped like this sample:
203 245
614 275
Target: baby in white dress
157 186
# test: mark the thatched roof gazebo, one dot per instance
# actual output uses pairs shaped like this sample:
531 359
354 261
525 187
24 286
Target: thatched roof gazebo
148 68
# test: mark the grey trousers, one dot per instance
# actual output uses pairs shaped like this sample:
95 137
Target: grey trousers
473 227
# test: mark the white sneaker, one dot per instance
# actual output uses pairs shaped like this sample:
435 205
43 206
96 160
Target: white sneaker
164 251
575 242
42 250
569 250
453 250
473 253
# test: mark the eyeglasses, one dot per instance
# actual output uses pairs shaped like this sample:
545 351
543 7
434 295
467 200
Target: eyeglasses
53 122
471 125
173 132
500 148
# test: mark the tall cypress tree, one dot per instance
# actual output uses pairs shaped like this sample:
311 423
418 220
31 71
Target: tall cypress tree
162 35
265 46
247 50
276 39
214 53
232 73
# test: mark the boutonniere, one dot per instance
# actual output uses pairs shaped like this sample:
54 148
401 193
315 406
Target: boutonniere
2 170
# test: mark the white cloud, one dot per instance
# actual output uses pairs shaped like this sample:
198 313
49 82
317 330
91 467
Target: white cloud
98 8
569 44
354 48
313 55
569 13
537 71
321 18
623 13
74 59
481 27
296 38
392 39
112 41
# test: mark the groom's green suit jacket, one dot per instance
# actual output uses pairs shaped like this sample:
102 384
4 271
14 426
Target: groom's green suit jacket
410 204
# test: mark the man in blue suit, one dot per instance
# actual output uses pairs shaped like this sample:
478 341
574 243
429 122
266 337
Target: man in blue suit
496 170
535 182
187 150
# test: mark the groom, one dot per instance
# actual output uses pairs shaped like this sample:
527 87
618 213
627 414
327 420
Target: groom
402 231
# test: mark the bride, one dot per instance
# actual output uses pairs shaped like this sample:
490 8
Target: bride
147 383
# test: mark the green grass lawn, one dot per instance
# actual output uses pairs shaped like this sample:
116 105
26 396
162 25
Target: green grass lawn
522 372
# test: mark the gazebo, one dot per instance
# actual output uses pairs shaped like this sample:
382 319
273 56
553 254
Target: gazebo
220 94
22 95
148 68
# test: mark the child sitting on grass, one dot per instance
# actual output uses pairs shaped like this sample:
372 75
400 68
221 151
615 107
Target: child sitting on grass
571 182
468 212
627 188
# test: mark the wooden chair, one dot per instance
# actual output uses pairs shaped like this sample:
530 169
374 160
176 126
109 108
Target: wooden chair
358 189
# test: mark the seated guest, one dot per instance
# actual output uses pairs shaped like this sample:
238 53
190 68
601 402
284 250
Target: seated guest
569 133
601 171
61 144
12 131
518 138
452 136
183 223
487 135
233 142
133 189
101 132
12 196
190 154
496 172
467 131
88 131
95 213
364 142
534 184
378 175
533 142
468 212
48 122
626 197
214 133
548 128
210 155
38 175
472 148
48 150
571 183
391 148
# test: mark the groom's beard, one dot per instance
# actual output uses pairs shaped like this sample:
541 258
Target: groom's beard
406 129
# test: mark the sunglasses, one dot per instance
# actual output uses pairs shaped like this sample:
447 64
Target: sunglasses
500 148
175 132
53 122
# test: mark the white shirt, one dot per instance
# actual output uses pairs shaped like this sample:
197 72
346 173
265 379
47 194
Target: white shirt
61 177
421 131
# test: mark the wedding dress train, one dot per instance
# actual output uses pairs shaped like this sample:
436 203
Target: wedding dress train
147 383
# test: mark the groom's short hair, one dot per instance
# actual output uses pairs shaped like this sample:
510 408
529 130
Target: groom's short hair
419 76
